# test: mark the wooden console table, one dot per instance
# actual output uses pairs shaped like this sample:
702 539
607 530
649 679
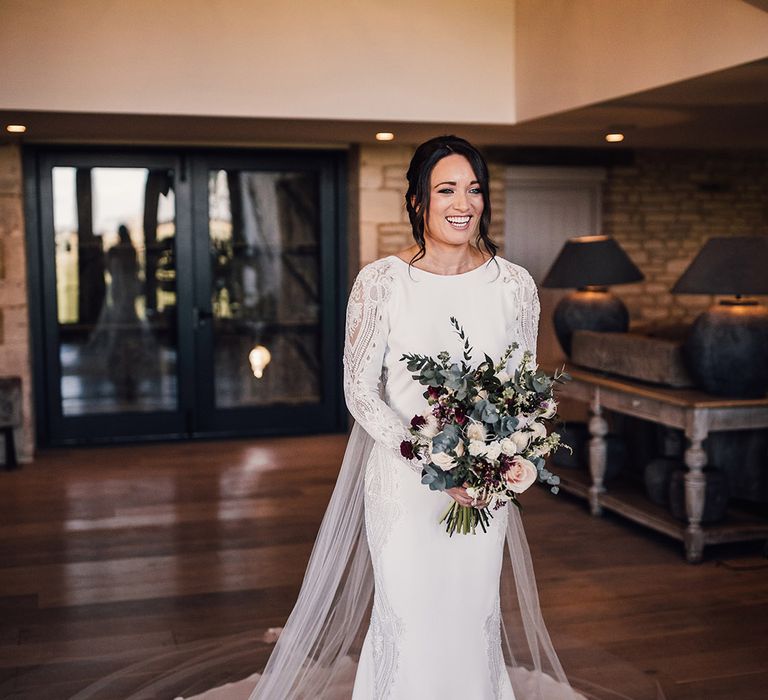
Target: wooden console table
694 412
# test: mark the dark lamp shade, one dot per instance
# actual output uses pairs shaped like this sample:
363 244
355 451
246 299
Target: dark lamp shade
591 260
727 265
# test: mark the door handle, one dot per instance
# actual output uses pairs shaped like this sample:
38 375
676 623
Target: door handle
201 316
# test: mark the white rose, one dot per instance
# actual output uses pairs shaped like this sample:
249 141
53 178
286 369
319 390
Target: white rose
520 475
520 438
493 450
476 448
430 428
483 394
538 430
508 447
444 460
476 431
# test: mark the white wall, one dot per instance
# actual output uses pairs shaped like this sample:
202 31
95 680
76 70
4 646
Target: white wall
571 53
410 60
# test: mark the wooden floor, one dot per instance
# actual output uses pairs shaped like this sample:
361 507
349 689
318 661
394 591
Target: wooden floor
114 556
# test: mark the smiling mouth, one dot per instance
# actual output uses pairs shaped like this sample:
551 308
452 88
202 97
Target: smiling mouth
460 223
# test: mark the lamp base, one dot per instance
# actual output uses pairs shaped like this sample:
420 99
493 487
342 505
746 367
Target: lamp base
727 350
588 310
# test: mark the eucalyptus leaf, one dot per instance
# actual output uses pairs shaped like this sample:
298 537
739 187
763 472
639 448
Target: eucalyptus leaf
446 439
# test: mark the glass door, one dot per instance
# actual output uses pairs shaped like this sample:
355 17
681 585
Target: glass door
267 304
110 233
186 293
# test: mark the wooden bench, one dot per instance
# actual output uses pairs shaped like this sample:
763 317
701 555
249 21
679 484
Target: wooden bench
10 416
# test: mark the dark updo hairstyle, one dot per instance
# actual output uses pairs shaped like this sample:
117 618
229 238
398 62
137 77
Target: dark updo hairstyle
419 187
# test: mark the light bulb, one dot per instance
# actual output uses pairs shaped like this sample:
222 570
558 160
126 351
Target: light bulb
259 358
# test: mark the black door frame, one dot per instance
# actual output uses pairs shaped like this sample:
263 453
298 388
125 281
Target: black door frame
195 417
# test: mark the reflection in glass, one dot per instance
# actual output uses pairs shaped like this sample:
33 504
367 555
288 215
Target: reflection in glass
115 281
265 257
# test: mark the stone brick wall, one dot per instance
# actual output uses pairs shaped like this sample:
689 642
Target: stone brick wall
14 317
384 226
666 205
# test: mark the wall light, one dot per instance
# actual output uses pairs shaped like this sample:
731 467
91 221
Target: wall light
385 136
15 128
614 137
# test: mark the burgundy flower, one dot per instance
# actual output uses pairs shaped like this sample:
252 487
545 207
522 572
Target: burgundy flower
417 421
433 392
406 449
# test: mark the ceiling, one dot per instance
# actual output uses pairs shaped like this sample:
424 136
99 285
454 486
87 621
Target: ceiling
725 109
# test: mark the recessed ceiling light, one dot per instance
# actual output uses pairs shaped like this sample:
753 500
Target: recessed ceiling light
15 128
614 137
385 136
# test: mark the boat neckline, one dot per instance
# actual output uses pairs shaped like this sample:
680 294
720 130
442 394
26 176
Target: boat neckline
437 274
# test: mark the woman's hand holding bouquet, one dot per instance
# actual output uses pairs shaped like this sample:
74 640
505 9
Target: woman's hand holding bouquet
484 429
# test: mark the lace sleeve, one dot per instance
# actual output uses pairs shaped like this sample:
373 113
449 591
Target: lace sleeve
530 309
367 327
524 311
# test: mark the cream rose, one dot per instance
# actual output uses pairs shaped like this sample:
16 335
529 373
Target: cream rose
476 448
521 439
476 431
444 460
508 447
538 430
520 475
493 450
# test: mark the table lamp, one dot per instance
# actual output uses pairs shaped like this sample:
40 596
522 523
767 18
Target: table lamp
591 264
727 346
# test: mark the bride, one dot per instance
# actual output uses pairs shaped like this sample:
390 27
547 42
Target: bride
391 607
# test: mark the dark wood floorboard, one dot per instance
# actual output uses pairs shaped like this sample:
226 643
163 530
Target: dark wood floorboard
115 556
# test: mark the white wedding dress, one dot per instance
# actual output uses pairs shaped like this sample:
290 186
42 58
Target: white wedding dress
435 627
435 630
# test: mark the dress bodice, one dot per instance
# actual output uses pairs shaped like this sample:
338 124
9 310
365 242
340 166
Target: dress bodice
395 308
484 301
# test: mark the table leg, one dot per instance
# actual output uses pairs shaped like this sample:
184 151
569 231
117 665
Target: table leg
598 427
695 493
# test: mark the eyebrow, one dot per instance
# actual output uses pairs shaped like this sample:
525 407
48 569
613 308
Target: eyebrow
450 182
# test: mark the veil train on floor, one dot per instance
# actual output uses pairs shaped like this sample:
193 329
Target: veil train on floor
316 653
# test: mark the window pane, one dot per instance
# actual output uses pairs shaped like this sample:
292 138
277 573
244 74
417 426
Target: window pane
115 281
265 257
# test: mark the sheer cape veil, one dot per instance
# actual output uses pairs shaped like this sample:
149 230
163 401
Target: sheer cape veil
324 633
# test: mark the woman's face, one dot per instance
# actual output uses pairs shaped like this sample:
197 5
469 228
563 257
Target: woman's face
456 202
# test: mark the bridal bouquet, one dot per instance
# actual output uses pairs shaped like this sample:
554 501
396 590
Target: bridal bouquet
484 429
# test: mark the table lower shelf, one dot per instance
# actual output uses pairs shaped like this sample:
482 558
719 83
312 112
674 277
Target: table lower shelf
628 500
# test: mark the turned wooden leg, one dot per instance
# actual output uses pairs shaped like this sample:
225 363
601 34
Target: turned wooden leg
695 493
598 427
